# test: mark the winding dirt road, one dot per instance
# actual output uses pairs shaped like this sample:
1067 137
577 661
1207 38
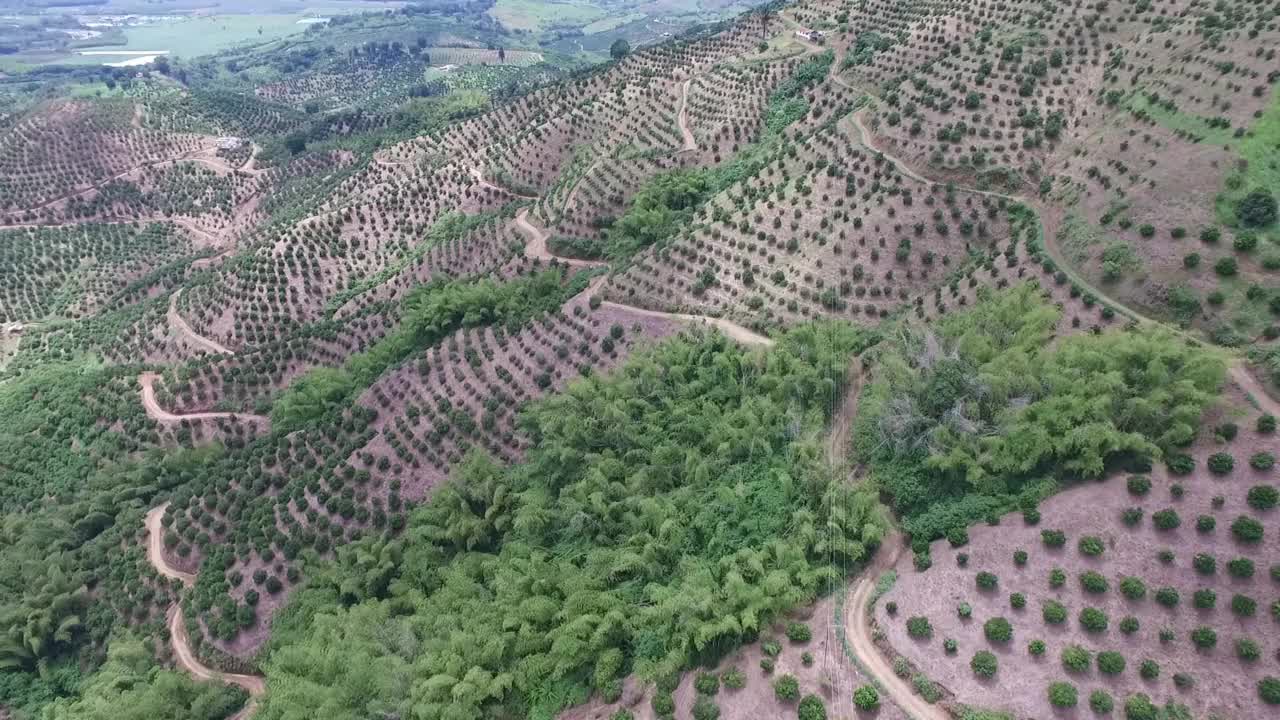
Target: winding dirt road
731 329
536 248
179 324
155 412
182 653
682 119
859 636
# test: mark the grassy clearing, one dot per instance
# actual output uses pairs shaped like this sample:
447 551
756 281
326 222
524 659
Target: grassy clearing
539 15
612 23
1259 153
198 36
1179 121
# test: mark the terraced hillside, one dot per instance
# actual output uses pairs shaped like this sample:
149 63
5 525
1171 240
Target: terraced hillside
681 386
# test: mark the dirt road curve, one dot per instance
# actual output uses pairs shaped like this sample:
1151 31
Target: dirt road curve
536 248
155 548
479 178
859 635
690 142
733 330
155 412
182 653
179 324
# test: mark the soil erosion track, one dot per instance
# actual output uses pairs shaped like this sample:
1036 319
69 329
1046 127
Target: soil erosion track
182 653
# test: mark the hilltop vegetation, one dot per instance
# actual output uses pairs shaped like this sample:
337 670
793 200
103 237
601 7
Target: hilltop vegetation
978 414
665 515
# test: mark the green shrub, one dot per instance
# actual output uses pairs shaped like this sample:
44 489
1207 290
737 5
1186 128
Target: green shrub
1053 538
962 559
1266 424
1269 690
798 632
987 581
663 704
1019 557
1138 484
1140 707
812 708
767 664
984 664
786 688
1247 650
1246 529
704 708
1111 662
919 627
1093 620
1262 461
1100 702
1062 695
1076 659
1165 556
1183 681
1243 605
958 537
926 688
1167 597
1240 568
998 629
1017 601
1166 519
1129 625
866 698
950 646
1205 564
964 610
1180 463
1057 578
1093 582
1131 516
1221 463
1054 612
1133 588
891 607
622 715
1149 669
707 684
1036 648
1257 209
1204 637
1205 599
1263 497
734 679
1206 524
771 647
1091 545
